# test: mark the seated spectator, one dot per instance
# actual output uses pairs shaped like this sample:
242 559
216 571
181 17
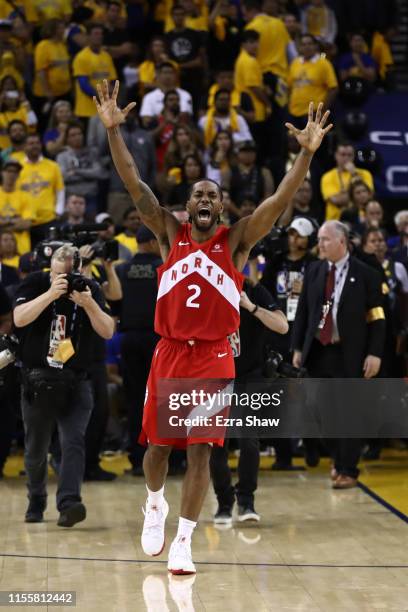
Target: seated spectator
80 166
54 137
354 215
241 102
319 20
192 170
131 223
91 66
8 249
186 47
223 117
153 102
42 179
302 204
185 141
141 146
109 234
335 183
13 105
220 156
246 180
116 39
357 63
156 55
374 214
52 66
167 121
400 245
17 133
8 68
8 43
16 207
311 78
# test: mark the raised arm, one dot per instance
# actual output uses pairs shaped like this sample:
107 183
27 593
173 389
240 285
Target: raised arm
161 222
248 231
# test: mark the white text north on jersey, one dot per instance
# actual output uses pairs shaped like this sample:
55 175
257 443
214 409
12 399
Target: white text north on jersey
198 262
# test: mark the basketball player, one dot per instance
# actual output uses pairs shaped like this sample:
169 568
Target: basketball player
197 308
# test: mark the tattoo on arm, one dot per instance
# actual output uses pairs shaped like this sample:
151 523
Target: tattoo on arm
147 204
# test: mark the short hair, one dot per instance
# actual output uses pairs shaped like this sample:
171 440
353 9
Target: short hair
344 143
399 216
115 3
64 252
220 92
207 180
307 35
75 195
166 65
178 7
339 227
374 201
128 212
17 122
94 26
249 36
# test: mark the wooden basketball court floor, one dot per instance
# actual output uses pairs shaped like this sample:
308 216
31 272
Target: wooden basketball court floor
314 549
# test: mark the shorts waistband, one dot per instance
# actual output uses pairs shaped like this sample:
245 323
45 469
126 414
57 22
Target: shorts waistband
193 342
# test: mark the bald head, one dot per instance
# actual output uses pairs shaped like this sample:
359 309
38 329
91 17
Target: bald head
333 241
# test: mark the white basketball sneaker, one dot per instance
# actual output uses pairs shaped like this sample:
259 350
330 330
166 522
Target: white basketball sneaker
180 562
153 538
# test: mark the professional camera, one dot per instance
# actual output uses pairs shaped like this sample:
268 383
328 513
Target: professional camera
275 367
77 235
274 243
8 350
76 282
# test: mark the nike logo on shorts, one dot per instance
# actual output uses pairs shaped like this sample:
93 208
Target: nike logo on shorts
222 354
183 243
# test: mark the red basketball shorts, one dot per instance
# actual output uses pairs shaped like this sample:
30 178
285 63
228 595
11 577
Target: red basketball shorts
174 360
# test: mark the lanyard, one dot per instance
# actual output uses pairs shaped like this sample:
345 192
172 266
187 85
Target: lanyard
339 279
74 316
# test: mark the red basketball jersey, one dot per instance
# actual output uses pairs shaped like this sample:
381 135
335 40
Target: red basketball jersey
199 289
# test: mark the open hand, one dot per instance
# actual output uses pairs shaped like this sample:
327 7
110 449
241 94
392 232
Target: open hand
109 112
311 137
82 298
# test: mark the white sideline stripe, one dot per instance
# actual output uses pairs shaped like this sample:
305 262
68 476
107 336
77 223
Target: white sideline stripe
228 289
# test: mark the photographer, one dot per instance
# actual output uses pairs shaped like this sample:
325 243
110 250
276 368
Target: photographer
258 314
58 314
283 277
104 274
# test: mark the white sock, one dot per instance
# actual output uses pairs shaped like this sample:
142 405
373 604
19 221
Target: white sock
155 498
185 529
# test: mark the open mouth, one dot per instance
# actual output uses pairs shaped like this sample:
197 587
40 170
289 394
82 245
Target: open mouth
204 214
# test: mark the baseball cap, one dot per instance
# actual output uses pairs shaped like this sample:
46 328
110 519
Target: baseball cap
12 162
246 145
103 217
303 226
143 234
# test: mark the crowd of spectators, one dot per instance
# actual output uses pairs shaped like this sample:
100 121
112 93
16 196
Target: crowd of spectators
214 84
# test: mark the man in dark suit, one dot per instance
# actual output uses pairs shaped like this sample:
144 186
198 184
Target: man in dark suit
339 330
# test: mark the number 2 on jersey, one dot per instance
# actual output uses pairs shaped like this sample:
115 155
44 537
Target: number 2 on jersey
196 292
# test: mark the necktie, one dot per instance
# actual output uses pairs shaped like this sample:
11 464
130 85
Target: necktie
326 332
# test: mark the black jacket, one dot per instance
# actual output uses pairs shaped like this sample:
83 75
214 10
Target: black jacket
361 301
